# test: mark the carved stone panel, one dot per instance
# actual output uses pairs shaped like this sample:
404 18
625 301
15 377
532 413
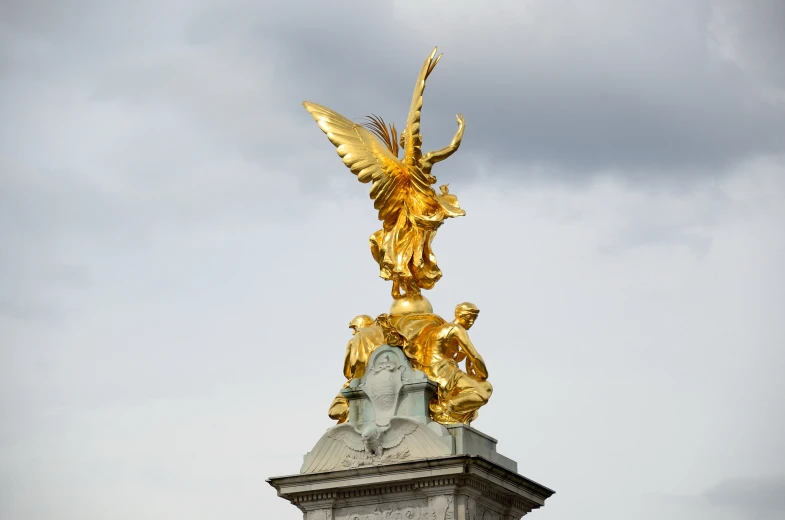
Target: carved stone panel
471 509
434 508
443 488
383 381
487 514
442 506
377 434
319 514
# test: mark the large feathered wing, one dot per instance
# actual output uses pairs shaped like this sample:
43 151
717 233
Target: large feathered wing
406 439
338 444
416 439
366 157
347 434
413 145
399 429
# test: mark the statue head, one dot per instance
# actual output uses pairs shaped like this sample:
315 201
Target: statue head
465 314
360 322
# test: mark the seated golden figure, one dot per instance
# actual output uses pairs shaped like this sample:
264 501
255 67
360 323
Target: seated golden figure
436 347
366 336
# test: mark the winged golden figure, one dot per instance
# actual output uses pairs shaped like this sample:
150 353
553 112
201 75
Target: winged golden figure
401 187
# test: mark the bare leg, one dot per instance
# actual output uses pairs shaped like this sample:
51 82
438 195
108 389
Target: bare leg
396 289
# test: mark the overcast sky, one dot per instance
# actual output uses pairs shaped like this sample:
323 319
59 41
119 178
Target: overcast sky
181 249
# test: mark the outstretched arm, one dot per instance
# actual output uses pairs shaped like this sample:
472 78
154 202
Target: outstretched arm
475 365
432 158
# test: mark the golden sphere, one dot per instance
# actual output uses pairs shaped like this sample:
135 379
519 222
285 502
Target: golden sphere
411 305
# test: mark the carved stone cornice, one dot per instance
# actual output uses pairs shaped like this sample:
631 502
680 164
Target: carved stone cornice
488 484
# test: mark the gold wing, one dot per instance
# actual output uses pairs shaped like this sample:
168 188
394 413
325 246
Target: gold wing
413 145
371 161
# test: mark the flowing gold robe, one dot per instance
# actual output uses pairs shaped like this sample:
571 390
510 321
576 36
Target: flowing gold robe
402 248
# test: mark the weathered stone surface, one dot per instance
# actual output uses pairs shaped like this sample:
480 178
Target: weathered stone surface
390 387
389 420
469 441
390 461
456 488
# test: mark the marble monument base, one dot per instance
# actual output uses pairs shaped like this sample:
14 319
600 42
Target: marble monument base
461 487
390 461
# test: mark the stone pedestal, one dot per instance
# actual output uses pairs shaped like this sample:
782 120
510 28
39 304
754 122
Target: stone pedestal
390 461
458 487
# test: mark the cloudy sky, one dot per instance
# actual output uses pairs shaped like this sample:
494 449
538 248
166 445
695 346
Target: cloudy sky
182 249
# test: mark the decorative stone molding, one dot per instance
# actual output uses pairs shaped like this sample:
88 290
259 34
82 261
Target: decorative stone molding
446 488
389 422
390 461
319 514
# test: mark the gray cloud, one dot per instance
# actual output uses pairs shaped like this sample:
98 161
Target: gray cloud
181 249
545 85
762 497
644 91
751 36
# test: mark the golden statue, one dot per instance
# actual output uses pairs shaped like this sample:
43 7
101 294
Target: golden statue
435 347
411 212
366 336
